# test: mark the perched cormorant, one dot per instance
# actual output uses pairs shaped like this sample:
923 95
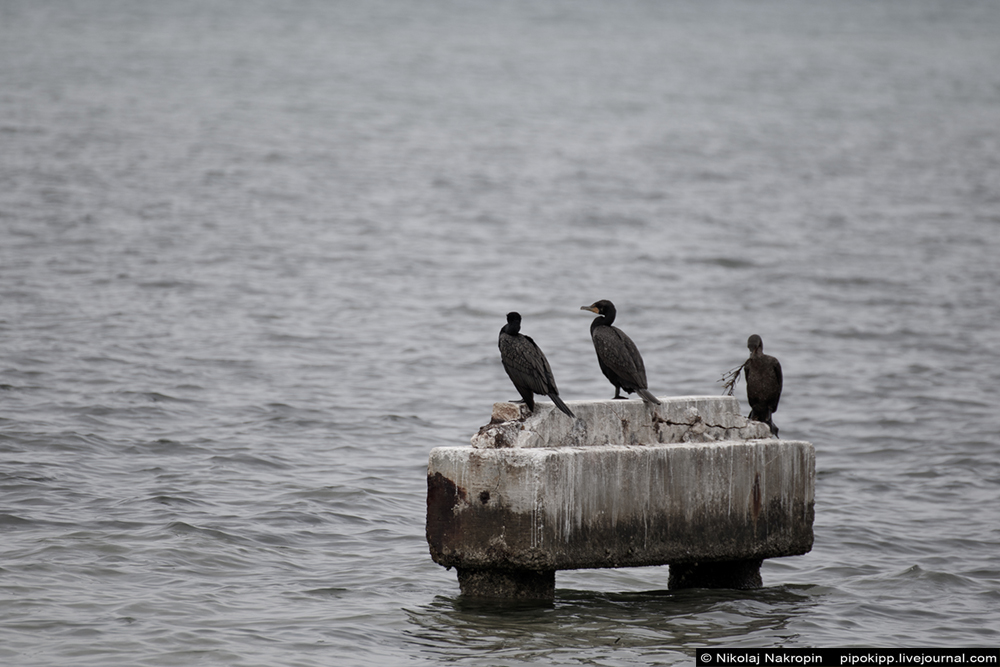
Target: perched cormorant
616 353
526 365
763 374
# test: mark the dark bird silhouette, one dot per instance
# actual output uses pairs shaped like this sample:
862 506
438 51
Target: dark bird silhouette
763 374
526 365
616 353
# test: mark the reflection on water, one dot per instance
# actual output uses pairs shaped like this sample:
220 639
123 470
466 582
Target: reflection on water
610 628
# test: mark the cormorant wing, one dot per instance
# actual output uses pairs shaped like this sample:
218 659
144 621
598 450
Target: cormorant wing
764 381
620 355
526 365
778 382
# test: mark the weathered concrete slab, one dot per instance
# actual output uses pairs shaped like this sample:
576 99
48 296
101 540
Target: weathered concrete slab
631 422
619 505
690 483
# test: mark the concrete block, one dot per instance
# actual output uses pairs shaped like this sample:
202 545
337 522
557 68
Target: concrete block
625 484
619 505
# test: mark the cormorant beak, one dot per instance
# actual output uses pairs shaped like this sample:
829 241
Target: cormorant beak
591 309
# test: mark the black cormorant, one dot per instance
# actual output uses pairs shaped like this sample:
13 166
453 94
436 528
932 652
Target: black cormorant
526 365
763 374
616 353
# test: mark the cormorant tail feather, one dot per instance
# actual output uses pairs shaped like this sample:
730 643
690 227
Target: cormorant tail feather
648 397
562 406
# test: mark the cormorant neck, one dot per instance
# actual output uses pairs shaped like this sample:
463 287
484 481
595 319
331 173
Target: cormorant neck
603 320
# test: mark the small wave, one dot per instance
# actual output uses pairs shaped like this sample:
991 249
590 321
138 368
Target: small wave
246 460
333 593
154 397
727 262
182 285
465 310
12 520
164 499
944 580
184 528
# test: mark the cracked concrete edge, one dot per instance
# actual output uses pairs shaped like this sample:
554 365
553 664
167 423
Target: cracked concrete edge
630 422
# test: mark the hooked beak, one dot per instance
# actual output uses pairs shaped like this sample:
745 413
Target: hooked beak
590 308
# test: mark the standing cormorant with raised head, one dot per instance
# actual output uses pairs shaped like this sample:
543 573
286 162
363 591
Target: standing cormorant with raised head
763 374
618 356
527 367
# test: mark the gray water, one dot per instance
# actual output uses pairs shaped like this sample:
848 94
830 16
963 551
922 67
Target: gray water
254 257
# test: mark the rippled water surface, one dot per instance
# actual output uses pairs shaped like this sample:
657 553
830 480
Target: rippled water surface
254 257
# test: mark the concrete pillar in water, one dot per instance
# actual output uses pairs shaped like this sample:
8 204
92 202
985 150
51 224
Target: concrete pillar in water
690 483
